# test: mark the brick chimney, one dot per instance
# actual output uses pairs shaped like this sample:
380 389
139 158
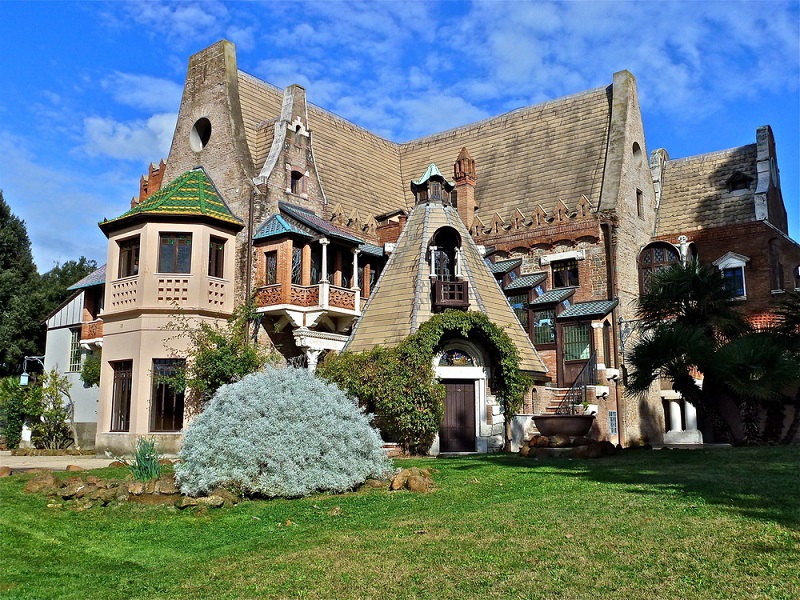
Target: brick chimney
149 184
466 177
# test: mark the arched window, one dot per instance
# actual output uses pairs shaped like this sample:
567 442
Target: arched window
654 258
446 242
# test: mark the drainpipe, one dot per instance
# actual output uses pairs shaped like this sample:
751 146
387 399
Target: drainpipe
249 277
611 269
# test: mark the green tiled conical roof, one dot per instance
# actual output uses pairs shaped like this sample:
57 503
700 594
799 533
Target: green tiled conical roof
190 194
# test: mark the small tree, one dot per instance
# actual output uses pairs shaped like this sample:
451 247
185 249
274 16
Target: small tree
217 355
55 427
18 402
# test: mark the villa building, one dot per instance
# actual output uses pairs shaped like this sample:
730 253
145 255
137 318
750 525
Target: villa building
551 221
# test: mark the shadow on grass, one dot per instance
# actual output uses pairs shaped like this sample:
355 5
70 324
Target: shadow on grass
758 483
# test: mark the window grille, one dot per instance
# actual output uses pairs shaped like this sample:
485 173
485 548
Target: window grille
272 267
520 305
576 342
166 406
612 423
544 330
297 265
121 395
75 350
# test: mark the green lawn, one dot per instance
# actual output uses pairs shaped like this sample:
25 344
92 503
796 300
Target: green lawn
721 523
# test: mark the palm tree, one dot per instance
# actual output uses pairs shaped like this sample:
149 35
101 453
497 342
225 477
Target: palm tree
691 326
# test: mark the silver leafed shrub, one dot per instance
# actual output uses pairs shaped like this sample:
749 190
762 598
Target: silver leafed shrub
280 432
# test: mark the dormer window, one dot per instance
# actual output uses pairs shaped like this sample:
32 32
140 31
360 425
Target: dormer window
739 181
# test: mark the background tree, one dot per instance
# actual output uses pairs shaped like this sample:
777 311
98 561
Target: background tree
19 280
26 297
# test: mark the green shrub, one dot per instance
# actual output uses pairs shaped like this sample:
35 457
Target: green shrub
399 385
280 432
146 462
18 402
90 371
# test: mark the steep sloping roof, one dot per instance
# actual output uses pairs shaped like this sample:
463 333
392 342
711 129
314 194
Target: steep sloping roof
191 194
358 169
401 301
301 221
695 191
96 277
535 155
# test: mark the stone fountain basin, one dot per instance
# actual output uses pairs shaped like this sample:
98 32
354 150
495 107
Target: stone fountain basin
571 425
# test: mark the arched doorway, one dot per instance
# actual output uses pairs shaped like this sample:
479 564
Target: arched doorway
459 367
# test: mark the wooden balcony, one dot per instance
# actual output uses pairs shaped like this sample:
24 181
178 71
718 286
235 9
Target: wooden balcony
451 294
322 298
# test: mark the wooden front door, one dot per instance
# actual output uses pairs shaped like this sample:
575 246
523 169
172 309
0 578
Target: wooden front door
457 433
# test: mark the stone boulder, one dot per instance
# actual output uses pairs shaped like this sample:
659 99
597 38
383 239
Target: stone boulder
413 479
5 471
43 483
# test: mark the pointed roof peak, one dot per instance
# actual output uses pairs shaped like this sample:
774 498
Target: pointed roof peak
191 194
431 171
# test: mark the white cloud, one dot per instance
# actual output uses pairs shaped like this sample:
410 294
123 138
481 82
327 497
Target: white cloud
143 140
60 211
143 91
182 23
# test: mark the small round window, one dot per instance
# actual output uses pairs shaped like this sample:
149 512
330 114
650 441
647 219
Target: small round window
201 133
637 154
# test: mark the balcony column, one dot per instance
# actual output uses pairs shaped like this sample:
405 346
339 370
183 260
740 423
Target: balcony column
324 243
458 263
355 269
432 250
312 356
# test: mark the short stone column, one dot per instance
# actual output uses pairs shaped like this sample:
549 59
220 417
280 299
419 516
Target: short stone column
675 414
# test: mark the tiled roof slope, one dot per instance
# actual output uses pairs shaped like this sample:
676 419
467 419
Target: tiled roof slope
261 106
535 155
402 300
695 194
96 277
358 169
189 194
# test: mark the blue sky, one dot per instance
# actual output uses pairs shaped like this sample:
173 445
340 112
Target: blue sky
89 91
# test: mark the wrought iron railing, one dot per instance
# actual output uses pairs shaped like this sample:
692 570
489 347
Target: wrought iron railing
576 395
